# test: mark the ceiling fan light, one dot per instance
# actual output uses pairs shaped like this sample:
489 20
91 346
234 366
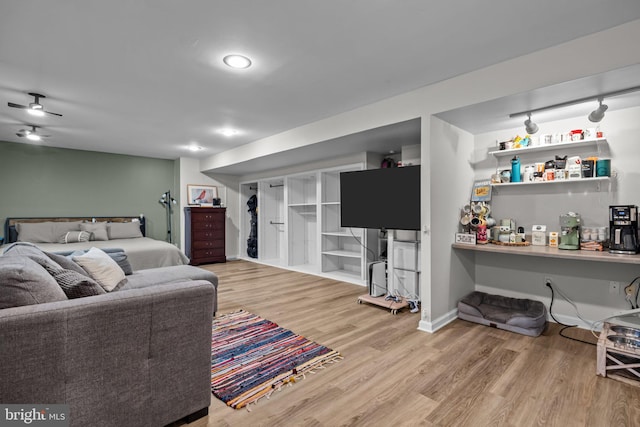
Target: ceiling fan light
33 136
530 126
36 111
598 114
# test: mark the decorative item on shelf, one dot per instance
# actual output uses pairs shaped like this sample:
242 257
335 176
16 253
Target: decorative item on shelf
515 169
481 235
538 235
201 195
603 167
166 200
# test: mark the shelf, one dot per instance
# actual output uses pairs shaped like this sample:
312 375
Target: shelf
550 147
301 205
345 254
549 252
331 203
558 181
340 234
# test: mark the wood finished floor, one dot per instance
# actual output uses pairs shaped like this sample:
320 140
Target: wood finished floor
393 374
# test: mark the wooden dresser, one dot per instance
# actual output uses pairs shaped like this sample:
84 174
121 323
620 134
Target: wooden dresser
204 235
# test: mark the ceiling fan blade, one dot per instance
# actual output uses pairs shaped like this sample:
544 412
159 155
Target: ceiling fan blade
54 114
44 136
11 104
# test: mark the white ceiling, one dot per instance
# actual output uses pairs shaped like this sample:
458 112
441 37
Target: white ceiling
146 77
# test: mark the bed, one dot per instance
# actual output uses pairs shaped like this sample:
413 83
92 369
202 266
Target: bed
127 233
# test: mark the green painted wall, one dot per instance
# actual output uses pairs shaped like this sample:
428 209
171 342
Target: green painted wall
38 181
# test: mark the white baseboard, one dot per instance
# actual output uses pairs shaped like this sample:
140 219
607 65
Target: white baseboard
438 323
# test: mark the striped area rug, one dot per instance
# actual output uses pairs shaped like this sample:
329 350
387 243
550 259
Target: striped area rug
251 357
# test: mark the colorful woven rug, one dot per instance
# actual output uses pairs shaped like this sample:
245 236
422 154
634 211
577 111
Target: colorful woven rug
251 357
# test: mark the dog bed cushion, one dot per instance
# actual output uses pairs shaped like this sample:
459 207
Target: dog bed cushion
523 316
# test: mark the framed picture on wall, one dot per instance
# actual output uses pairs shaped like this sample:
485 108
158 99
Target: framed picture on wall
202 195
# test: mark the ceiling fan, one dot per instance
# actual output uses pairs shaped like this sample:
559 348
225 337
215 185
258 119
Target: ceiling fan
32 134
35 107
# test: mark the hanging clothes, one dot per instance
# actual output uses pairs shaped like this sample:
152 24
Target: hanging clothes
252 241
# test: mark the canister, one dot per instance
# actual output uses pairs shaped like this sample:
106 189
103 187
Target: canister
603 167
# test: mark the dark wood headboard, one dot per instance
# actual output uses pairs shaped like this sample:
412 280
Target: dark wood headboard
11 234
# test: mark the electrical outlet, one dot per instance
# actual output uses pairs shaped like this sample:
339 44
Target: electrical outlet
548 279
614 287
630 290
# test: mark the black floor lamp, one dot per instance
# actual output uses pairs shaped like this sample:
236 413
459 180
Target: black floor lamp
167 201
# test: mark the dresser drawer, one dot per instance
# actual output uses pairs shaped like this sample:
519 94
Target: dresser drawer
207 235
207 244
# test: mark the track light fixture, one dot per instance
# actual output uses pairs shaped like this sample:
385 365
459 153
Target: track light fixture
595 116
530 126
598 114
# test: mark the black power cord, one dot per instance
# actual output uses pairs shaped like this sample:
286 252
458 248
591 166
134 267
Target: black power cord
560 323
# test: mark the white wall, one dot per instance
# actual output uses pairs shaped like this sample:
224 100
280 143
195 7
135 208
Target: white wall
587 283
616 48
190 174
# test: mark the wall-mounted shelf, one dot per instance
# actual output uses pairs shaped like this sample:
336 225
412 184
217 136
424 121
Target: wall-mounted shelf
585 143
558 181
549 252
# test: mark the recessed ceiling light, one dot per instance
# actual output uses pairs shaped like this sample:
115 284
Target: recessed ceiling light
228 131
237 61
196 148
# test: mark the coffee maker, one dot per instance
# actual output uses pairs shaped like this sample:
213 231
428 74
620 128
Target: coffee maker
570 231
623 229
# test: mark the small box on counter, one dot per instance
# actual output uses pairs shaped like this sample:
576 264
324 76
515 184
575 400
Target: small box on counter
539 235
466 238
553 239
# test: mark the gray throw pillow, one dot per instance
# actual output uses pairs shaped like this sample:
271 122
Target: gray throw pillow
75 237
97 229
66 263
124 230
74 284
25 282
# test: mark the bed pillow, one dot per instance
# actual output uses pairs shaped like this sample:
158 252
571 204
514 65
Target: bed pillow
102 268
24 282
98 230
45 232
75 237
124 230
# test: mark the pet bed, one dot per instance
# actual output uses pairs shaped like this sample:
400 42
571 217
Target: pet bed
523 316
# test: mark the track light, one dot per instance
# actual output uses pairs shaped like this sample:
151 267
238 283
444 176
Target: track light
598 114
595 116
530 126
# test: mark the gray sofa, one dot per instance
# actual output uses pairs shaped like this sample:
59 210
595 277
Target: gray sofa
136 356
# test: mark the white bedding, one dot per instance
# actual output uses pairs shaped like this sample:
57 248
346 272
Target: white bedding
142 252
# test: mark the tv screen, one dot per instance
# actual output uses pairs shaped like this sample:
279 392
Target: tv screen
381 198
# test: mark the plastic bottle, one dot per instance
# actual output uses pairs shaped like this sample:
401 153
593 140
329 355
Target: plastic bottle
515 169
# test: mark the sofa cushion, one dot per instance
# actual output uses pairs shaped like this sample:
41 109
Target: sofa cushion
102 268
24 282
97 229
124 230
162 275
45 232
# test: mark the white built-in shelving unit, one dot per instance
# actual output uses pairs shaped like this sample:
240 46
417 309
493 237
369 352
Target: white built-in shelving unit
299 226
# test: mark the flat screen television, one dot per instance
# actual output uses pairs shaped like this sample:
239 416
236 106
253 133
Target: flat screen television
386 198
